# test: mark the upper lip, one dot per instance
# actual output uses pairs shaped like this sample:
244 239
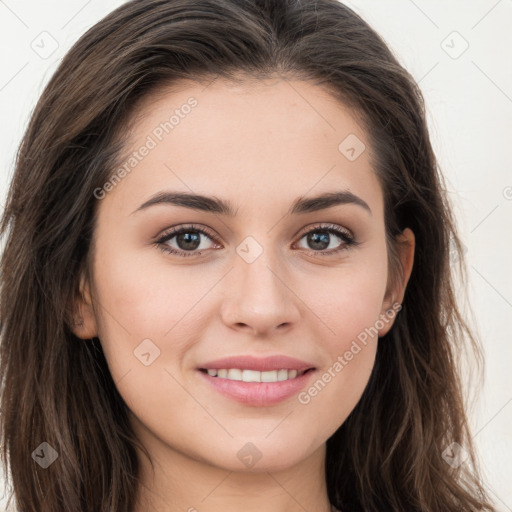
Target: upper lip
247 362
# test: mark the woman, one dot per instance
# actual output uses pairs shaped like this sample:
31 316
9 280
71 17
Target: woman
226 280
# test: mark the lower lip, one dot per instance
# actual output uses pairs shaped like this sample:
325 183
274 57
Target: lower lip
258 393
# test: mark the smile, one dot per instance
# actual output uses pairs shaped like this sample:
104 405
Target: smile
256 391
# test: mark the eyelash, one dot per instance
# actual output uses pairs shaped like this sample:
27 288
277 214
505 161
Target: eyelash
349 241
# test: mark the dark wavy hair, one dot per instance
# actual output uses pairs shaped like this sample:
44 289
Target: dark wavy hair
387 455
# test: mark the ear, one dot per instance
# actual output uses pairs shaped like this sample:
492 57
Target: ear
396 290
83 319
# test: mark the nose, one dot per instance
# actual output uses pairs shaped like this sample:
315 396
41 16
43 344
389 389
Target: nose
259 297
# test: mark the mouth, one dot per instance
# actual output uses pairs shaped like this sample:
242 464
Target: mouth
257 388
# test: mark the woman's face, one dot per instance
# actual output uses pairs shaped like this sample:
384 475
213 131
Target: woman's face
255 283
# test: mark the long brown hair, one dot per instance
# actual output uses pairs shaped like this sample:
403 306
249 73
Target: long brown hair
388 454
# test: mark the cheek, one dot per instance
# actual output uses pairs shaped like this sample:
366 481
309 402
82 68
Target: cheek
349 298
349 359
147 309
349 307
147 299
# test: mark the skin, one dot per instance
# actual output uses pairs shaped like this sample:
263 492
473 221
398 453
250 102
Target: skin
260 146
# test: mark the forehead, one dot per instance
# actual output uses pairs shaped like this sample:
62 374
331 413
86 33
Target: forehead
261 142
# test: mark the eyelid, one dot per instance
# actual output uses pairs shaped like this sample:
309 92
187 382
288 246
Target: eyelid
325 226
182 227
195 227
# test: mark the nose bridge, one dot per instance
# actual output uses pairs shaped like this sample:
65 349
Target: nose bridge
258 296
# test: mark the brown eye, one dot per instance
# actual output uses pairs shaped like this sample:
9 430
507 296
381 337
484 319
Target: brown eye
186 241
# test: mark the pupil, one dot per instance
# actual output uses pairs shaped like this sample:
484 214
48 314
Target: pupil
184 239
319 242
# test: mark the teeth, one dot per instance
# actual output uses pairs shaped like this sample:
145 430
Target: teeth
254 375
248 375
269 376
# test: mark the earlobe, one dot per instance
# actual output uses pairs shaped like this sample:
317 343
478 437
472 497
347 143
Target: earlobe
395 296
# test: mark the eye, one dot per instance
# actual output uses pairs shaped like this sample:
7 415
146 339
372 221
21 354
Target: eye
321 238
188 240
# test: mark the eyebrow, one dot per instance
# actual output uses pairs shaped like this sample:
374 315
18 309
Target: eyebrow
219 206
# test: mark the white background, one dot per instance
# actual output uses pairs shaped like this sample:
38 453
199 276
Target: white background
469 102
